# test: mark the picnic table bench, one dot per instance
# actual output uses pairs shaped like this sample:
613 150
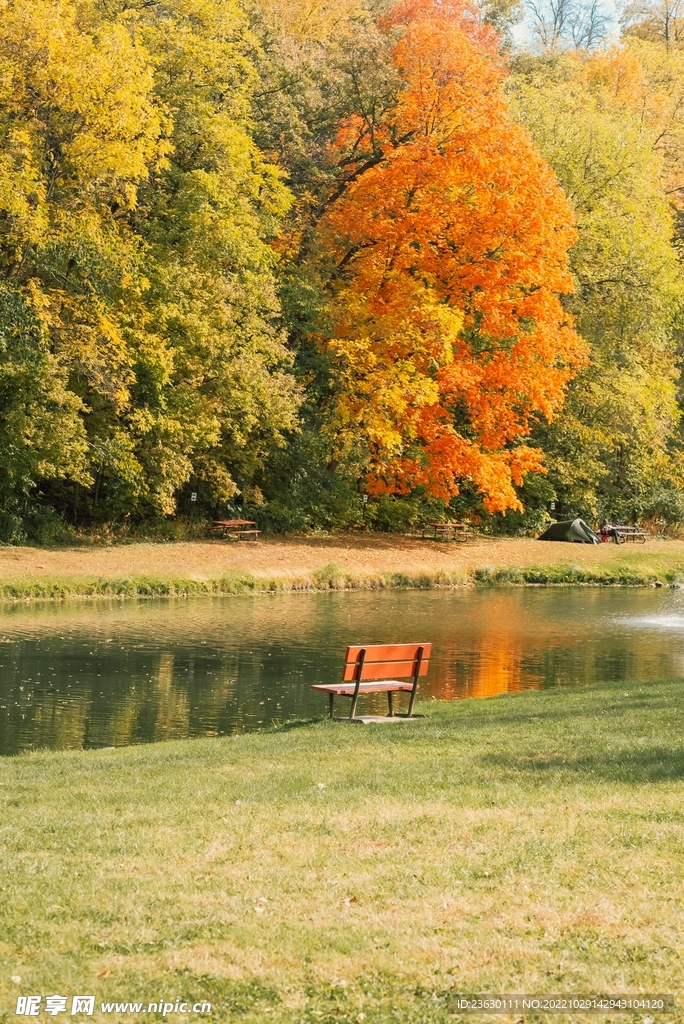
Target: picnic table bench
623 534
447 531
373 668
235 528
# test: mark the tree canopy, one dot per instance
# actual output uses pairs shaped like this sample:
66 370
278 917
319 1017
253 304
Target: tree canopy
449 246
611 449
280 254
136 215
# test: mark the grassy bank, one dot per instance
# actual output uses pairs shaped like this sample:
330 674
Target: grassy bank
324 873
341 563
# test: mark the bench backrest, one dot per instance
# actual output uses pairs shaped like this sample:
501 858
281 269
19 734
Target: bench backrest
385 661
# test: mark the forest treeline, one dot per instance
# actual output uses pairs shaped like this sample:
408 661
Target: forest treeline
270 258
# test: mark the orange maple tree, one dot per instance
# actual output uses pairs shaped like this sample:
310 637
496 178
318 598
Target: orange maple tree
450 240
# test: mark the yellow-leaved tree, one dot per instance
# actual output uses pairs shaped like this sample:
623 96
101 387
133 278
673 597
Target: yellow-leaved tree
80 129
613 143
138 313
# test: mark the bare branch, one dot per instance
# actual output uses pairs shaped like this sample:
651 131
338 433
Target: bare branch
582 24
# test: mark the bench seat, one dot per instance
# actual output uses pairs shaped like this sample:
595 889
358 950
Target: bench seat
348 688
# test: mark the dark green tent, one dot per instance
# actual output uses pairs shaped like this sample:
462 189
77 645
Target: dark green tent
576 531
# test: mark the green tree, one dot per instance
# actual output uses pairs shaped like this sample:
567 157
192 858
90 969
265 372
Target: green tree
216 395
614 445
79 131
139 311
318 66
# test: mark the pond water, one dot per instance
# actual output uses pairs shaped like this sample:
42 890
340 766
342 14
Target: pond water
96 674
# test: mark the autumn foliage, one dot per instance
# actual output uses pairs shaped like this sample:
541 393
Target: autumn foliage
450 245
271 254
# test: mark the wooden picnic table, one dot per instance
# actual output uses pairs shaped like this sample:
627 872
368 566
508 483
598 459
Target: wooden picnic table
622 534
447 531
235 528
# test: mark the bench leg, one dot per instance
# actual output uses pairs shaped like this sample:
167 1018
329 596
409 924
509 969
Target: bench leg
389 704
412 701
331 702
358 676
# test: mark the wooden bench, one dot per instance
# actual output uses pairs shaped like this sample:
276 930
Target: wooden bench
374 668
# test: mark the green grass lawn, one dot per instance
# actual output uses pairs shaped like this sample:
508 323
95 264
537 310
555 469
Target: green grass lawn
334 873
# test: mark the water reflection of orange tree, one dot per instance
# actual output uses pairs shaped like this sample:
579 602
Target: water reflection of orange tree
501 672
498 669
